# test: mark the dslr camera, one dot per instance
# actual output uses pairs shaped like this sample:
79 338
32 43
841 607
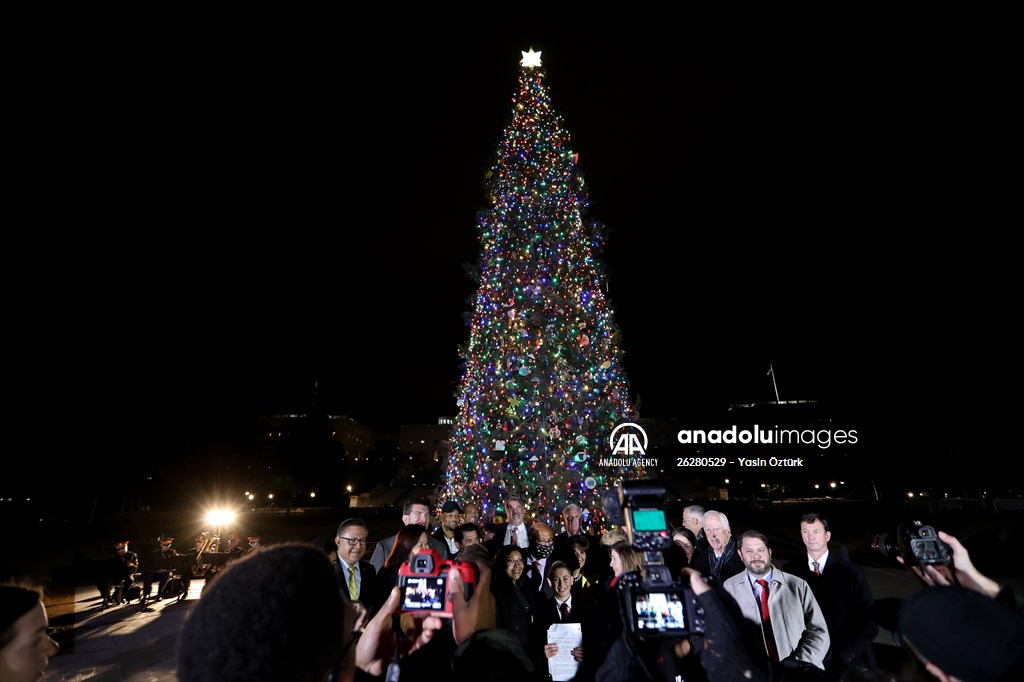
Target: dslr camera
653 605
918 544
425 585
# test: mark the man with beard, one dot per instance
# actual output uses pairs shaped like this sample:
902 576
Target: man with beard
451 517
720 562
779 609
542 542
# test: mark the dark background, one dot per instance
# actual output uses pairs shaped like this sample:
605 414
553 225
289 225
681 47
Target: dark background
216 219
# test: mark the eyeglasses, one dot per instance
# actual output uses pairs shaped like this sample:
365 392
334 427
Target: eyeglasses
511 562
352 542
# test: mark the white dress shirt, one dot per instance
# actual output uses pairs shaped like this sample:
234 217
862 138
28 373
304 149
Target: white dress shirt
521 538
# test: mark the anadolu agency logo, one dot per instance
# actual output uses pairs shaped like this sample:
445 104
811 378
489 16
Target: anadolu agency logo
628 444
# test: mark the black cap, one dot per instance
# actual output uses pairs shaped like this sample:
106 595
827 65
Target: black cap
966 634
450 506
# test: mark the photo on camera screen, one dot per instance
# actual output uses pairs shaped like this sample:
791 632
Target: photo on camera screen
648 520
927 551
659 611
424 593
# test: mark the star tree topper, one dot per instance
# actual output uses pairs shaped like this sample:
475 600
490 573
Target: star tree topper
530 58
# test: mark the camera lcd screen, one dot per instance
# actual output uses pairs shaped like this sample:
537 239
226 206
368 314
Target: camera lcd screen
659 611
424 593
648 520
927 551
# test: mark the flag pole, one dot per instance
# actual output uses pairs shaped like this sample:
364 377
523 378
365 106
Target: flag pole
771 372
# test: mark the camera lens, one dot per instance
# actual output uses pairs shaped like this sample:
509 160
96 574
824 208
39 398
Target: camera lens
885 545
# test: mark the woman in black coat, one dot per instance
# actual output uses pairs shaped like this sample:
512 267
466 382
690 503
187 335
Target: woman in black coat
514 600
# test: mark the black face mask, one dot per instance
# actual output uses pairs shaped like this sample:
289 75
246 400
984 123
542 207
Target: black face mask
541 551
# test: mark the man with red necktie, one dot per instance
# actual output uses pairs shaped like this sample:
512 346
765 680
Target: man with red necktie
779 609
842 591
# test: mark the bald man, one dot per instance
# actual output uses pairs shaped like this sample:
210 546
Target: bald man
542 543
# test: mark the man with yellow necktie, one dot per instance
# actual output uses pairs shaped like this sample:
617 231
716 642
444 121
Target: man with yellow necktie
356 578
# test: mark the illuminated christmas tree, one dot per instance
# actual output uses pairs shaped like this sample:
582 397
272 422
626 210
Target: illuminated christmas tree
543 383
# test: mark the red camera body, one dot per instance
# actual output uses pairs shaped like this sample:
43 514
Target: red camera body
426 586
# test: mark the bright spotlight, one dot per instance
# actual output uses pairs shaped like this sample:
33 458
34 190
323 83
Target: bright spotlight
220 517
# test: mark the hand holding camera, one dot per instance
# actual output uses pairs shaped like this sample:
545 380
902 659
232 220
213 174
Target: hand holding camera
963 572
914 544
469 614
376 646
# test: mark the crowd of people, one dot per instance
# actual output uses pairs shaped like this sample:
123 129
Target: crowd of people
810 619
546 605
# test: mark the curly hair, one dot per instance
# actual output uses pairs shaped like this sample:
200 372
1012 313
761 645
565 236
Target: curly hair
273 615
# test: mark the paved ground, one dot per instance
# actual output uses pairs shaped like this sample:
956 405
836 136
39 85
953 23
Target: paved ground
119 644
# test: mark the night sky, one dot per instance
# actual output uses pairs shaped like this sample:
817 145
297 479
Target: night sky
231 222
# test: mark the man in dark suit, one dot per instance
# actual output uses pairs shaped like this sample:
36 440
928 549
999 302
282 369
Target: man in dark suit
356 578
842 591
514 530
538 563
562 607
572 518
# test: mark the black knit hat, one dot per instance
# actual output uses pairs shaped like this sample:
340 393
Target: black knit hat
963 632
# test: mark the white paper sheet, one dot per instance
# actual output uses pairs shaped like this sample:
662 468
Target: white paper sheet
567 636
